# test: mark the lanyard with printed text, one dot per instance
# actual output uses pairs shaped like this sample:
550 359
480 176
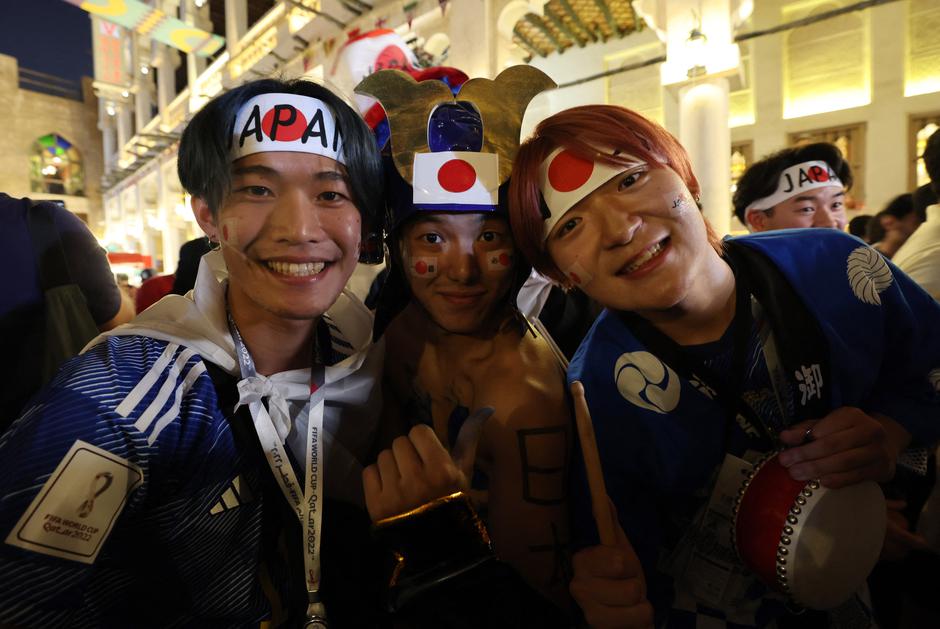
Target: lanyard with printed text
307 502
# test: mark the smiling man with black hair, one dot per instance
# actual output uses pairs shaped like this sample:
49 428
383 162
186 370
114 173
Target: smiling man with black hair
802 186
202 465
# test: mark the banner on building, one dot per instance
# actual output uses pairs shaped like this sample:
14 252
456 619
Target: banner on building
109 58
155 24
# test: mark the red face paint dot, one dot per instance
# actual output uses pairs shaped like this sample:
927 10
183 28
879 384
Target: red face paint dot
291 123
421 267
569 172
456 176
817 173
574 278
504 259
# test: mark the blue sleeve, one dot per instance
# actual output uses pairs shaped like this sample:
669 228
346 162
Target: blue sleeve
908 385
628 471
98 403
88 265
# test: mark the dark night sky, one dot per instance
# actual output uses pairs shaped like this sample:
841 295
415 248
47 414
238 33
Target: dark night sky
50 36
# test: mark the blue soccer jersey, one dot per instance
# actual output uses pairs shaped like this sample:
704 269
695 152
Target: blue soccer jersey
174 534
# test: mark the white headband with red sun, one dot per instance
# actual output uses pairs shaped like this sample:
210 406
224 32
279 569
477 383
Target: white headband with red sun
566 178
795 180
286 122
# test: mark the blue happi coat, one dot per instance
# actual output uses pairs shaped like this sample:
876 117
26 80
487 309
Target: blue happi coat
662 437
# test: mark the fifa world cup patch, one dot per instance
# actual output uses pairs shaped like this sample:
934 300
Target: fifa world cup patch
77 507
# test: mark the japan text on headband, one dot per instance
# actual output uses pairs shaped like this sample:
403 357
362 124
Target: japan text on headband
286 122
566 178
795 180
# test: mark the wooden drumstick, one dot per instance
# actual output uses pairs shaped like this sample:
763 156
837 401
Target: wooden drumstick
600 503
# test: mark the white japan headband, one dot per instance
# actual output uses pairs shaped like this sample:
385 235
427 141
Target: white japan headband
286 122
565 179
795 180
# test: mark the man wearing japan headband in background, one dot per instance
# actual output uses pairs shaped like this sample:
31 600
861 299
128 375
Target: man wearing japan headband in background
708 354
804 186
202 465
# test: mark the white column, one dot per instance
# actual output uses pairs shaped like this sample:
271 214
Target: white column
124 130
143 99
704 132
166 80
191 14
236 23
108 139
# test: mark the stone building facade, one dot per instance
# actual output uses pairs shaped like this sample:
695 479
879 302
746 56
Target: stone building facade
39 128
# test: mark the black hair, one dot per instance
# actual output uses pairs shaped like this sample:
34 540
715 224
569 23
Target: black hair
859 225
875 231
922 198
204 161
899 207
932 161
761 178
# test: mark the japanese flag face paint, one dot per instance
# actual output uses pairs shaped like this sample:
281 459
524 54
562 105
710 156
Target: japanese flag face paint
424 267
228 232
286 122
500 260
565 178
578 275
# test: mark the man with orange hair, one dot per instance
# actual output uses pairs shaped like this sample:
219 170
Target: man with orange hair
709 357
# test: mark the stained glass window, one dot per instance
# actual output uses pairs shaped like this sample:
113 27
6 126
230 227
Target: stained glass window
56 167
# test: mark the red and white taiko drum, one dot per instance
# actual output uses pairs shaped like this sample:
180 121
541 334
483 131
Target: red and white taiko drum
814 544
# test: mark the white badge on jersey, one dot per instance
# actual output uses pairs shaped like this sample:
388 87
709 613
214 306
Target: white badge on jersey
75 510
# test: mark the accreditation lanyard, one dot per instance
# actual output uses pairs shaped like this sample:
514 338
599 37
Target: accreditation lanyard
309 504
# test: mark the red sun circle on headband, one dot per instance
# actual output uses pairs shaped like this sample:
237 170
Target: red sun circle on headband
456 175
818 173
569 172
285 132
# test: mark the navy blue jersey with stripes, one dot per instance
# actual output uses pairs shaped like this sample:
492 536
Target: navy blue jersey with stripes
184 547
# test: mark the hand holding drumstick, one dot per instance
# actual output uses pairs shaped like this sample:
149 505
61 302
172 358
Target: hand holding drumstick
608 582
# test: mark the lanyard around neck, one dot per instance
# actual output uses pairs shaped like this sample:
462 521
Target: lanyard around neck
307 501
